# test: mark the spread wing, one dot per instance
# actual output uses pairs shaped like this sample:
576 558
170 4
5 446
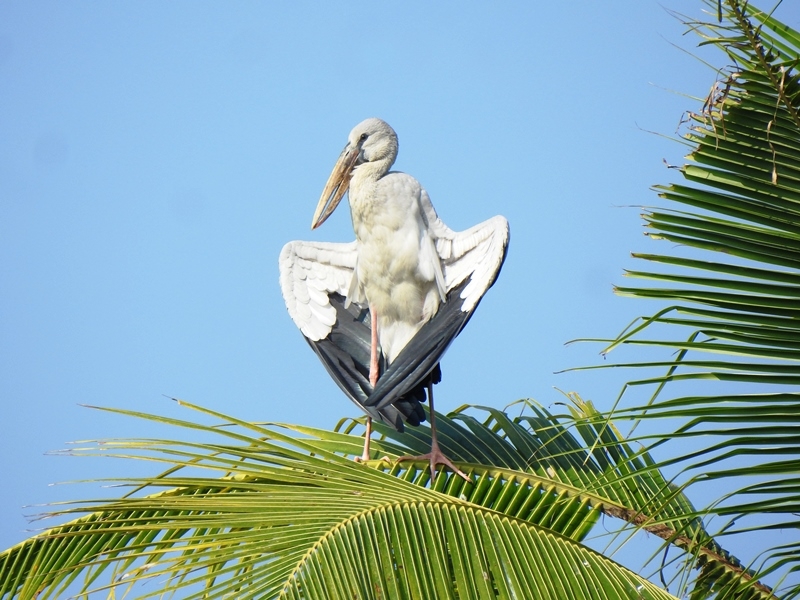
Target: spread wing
309 273
315 278
476 253
471 261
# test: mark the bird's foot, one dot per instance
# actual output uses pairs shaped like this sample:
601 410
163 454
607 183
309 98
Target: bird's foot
366 459
437 457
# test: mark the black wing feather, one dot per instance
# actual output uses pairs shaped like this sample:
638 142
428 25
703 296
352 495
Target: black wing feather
417 363
345 352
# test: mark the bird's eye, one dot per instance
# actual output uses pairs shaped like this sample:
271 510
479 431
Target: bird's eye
363 137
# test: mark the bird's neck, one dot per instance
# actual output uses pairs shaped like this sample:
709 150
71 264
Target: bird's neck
367 174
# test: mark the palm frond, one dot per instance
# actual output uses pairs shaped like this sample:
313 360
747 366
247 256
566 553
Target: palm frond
270 511
731 283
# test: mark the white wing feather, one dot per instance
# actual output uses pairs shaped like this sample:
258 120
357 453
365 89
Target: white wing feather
476 253
309 271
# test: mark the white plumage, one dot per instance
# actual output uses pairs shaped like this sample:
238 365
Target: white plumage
309 271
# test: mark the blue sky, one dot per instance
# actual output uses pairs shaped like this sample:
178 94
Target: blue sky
155 157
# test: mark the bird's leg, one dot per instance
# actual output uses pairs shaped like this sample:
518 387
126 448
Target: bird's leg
373 350
367 434
435 456
373 377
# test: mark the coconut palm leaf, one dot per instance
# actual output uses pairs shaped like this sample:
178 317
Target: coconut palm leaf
282 511
278 510
730 279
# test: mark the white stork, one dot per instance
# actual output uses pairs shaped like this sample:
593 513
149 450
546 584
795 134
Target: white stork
392 301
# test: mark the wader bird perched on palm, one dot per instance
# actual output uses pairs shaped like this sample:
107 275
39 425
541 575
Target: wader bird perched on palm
381 311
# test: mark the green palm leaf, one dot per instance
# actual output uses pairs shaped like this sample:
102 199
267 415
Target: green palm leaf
732 285
282 511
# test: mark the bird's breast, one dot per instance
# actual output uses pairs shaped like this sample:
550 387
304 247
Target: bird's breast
388 227
389 265
392 270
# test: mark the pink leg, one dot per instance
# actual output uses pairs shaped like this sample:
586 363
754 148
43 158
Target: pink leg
435 456
367 434
373 353
373 377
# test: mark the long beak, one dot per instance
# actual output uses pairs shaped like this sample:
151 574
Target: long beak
337 185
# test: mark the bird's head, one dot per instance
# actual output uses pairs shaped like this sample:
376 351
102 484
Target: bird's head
371 141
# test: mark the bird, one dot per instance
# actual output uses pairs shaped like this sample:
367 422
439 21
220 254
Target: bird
382 310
